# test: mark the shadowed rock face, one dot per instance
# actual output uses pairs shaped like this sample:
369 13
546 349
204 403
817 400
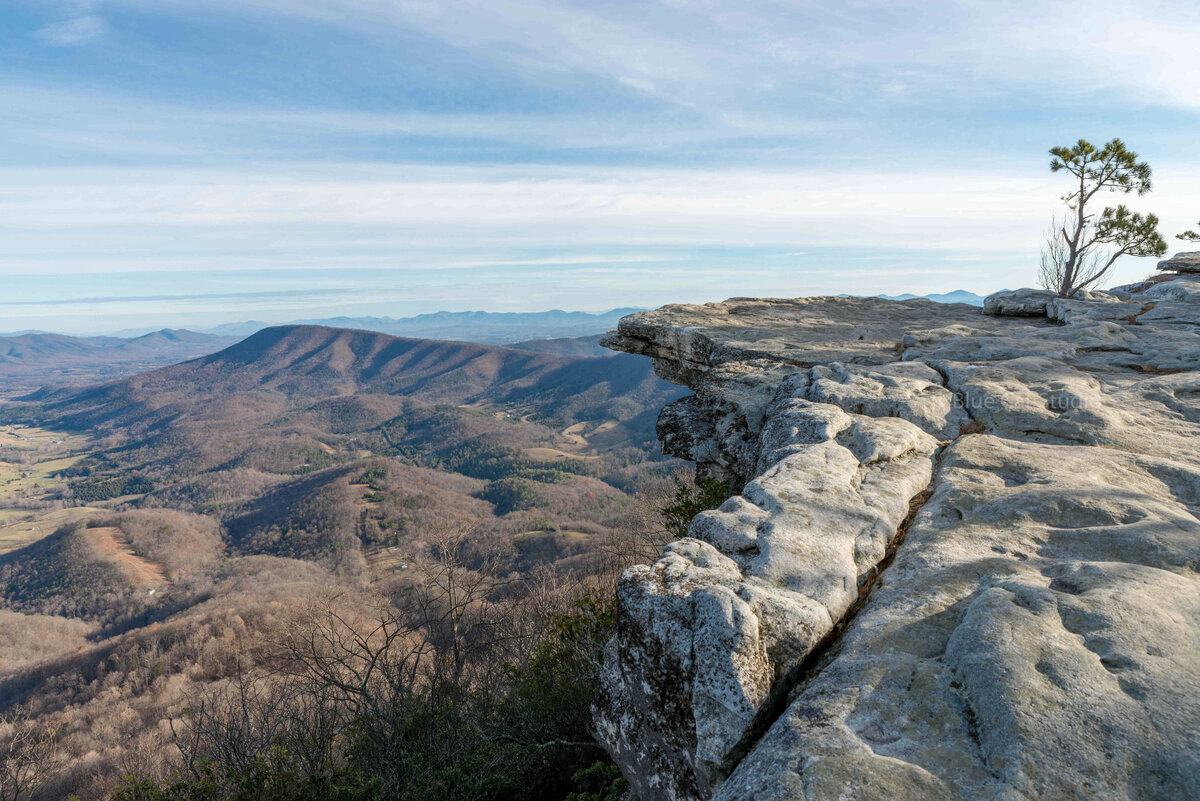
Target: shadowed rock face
962 563
1182 262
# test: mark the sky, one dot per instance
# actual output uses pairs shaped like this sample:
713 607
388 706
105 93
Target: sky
194 162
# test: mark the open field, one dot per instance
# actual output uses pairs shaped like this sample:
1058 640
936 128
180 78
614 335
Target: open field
111 544
566 534
34 438
27 437
16 478
383 561
38 454
574 434
16 531
552 454
29 458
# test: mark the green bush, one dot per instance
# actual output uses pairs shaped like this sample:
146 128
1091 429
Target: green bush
689 501
600 781
373 477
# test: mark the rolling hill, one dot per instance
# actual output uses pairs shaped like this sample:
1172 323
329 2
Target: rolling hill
35 359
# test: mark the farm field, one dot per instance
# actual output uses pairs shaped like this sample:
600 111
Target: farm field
19 528
30 457
18 478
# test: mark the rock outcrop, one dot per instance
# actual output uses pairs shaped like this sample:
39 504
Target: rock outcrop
1182 263
961 563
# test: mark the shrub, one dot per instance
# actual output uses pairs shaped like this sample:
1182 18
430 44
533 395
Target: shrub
690 500
269 777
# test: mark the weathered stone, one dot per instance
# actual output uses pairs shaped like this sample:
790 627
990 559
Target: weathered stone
1182 263
1037 633
1186 291
1035 638
1018 303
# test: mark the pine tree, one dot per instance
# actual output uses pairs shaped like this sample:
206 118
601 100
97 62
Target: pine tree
1080 251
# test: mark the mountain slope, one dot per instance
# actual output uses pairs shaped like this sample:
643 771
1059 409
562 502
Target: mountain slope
566 346
486 327
314 362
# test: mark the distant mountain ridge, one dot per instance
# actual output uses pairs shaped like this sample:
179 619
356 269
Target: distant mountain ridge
306 361
954 296
508 328
44 358
494 328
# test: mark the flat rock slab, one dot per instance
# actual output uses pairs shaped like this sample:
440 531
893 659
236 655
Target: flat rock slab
799 331
1035 638
1182 263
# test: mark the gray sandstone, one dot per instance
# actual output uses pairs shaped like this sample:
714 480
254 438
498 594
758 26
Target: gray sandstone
961 563
1182 263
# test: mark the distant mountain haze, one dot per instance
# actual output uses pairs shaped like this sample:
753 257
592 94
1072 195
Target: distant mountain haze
29 360
957 296
32 359
37 359
471 326
500 328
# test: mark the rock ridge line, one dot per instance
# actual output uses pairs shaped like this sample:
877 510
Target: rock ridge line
1040 454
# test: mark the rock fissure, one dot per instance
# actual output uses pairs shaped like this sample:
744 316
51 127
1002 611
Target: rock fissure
786 687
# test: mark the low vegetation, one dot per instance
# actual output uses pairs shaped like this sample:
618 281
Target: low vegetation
463 686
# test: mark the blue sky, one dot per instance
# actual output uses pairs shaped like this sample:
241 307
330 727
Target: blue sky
191 162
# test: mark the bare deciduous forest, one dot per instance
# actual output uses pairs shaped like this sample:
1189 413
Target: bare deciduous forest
324 564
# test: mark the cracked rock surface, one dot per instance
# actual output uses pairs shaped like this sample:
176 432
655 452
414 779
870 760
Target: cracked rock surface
962 562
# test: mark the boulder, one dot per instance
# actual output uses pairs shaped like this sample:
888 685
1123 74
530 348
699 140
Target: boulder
1018 303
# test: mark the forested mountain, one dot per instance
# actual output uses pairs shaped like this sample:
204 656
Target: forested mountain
32 359
278 368
156 530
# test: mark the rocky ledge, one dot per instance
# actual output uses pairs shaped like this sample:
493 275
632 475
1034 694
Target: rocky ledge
1182 263
961 563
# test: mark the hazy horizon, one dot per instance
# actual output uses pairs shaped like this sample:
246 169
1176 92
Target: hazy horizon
188 163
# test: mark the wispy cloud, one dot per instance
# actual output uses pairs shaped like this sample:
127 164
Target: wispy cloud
74 31
77 24
554 149
945 209
176 298
716 54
